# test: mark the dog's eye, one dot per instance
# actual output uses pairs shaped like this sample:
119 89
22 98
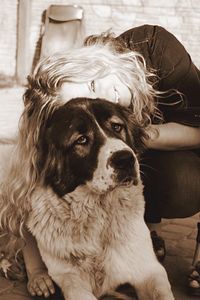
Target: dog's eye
117 127
82 140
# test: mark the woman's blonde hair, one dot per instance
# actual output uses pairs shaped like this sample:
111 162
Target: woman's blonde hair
96 59
100 56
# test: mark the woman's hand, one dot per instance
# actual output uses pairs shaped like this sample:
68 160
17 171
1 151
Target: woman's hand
173 136
40 283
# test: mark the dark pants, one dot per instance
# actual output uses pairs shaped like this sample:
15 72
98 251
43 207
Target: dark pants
172 184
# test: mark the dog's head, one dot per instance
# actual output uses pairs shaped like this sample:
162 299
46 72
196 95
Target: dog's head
92 142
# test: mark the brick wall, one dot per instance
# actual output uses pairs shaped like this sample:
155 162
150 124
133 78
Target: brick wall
8 29
181 17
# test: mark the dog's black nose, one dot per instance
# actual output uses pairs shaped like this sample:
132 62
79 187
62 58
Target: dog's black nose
122 160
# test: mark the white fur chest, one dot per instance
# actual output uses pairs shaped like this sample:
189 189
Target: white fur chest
82 224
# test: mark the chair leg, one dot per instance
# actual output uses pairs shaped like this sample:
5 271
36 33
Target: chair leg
196 256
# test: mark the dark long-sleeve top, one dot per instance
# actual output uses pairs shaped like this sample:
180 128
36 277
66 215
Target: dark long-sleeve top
174 69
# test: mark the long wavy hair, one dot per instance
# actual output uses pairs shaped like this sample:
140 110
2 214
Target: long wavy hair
98 58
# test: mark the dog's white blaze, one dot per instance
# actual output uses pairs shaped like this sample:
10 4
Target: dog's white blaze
104 175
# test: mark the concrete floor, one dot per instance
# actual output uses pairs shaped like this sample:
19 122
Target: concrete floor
179 234
180 239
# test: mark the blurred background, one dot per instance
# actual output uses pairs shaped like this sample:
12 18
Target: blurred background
21 21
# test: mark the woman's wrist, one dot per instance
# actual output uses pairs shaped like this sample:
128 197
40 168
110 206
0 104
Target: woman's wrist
172 136
152 137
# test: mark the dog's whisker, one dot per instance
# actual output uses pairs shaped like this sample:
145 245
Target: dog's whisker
148 167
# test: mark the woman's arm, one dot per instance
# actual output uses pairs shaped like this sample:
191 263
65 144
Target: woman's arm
39 282
173 136
32 258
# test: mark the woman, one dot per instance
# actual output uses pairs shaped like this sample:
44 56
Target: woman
148 70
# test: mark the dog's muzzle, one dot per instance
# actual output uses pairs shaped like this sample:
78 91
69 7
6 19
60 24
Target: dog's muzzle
117 166
124 164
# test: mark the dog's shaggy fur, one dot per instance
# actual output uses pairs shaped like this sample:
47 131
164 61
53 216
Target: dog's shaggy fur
73 177
86 210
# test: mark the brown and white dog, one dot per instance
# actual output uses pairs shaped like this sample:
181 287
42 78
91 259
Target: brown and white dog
87 212
87 215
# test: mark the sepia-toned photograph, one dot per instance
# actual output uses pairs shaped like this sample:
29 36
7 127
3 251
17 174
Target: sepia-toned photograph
100 150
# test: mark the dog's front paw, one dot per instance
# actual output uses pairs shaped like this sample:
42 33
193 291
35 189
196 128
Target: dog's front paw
155 295
160 288
78 294
155 288
160 294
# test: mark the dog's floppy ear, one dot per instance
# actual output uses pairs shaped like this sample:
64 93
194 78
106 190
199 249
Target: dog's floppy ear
137 133
56 173
54 166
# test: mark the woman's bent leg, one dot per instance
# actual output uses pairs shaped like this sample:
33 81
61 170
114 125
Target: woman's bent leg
172 184
172 189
